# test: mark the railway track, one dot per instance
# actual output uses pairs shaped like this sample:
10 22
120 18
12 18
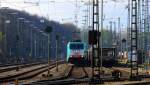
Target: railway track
72 71
9 68
70 75
10 65
28 73
77 72
126 71
81 75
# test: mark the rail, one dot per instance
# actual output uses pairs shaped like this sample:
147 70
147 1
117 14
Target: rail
29 73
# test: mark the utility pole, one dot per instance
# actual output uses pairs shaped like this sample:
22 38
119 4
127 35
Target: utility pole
85 21
31 49
143 13
89 14
128 27
57 48
15 31
0 3
35 45
146 31
145 28
30 35
114 33
43 44
43 48
20 39
17 37
139 25
76 14
5 38
86 17
49 46
101 58
5 29
119 32
111 32
76 19
143 22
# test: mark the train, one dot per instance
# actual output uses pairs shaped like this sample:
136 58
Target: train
76 52
79 53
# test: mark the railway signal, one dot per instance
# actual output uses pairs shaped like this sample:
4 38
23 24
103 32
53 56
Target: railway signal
48 30
93 37
124 40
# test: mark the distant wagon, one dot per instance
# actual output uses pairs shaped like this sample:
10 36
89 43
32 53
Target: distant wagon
108 54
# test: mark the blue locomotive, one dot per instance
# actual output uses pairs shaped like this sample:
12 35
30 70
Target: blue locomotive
76 52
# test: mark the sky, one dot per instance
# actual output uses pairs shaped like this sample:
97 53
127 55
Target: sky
65 10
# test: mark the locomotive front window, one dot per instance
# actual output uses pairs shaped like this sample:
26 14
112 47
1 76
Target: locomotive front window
77 46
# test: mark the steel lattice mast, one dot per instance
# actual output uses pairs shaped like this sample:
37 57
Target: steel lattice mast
134 39
146 30
96 57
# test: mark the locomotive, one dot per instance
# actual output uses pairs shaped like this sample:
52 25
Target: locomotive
76 52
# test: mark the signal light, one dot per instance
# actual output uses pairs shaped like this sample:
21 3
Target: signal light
48 29
93 36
